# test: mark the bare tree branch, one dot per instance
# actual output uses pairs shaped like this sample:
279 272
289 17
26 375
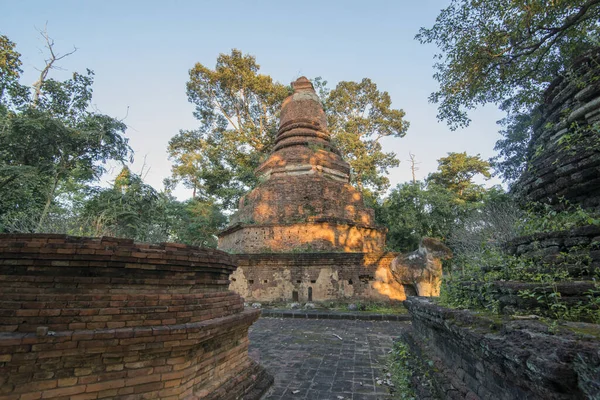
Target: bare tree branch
49 63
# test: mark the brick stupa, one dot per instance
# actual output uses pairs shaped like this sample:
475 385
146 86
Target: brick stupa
305 201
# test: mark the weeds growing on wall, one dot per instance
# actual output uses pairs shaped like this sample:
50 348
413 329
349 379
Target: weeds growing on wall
480 263
548 218
474 286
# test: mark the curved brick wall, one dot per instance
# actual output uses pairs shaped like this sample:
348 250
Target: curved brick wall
109 318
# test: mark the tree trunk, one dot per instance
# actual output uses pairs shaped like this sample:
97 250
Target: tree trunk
47 205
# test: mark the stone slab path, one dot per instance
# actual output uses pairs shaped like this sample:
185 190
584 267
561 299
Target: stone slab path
309 361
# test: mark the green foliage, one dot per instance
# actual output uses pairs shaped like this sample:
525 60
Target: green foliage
238 109
359 116
434 208
238 112
401 365
505 52
471 283
490 223
456 172
480 263
130 209
50 148
415 210
196 222
11 92
547 218
513 148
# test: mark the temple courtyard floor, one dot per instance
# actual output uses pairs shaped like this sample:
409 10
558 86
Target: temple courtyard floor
325 359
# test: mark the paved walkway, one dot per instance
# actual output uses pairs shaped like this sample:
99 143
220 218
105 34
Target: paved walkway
309 361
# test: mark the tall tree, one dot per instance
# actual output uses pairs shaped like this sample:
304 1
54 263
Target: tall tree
238 109
10 69
359 116
456 171
51 145
506 53
414 210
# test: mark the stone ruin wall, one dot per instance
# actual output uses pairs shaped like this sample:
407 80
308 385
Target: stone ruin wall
564 159
86 318
309 237
307 277
475 357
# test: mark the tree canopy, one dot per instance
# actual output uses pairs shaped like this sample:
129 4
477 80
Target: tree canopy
456 171
51 142
505 52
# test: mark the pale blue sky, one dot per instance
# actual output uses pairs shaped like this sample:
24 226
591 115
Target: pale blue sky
141 52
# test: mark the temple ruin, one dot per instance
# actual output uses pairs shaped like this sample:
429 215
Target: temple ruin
304 233
305 201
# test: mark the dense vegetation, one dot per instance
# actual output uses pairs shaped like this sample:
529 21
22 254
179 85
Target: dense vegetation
55 149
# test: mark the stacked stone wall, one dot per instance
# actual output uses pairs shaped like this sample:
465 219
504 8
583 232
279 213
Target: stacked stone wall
316 277
564 156
89 318
489 358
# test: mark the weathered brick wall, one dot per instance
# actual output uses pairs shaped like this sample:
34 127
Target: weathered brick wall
307 236
291 199
564 154
490 358
326 276
89 318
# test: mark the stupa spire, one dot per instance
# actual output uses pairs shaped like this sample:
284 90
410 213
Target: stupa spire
302 118
304 197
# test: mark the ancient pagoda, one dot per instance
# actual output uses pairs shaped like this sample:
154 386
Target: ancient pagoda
305 202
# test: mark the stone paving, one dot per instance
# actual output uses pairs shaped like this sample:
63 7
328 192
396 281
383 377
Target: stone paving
309 361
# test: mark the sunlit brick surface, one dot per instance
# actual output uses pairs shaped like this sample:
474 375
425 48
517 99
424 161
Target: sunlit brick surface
109 318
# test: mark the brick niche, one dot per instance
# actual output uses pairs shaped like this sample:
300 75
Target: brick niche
85 318
316 277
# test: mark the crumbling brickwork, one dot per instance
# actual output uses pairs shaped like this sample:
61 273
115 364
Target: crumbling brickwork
316 277
89 318
305 200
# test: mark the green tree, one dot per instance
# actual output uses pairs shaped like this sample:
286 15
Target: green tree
415 210
456 171
134 209
359 116
130 209
238 109
51 146
10 72
505 52
196 221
